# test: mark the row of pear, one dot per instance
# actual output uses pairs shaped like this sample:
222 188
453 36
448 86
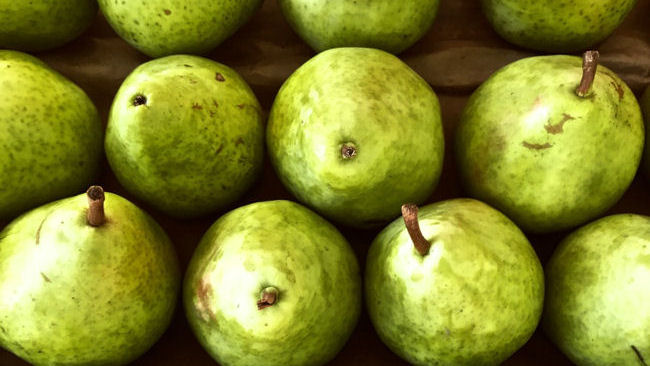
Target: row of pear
159 28
93 279
352 140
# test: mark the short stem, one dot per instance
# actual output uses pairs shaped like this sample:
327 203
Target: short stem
95 215
410 215
589 66
268 297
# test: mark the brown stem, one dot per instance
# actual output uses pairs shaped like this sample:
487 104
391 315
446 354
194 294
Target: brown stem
638 355
95 215
268 297
589 66
410 215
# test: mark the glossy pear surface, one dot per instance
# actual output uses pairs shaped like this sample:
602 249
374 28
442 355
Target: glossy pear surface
185 135
166 27
389 25
556 25
550 160
74 294
277 244
474 299
355 133
50 135
42 25
598 290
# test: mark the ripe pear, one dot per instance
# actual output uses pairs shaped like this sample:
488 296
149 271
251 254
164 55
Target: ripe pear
272 283
598 291
645 107
42 25
50 135
556 25
354 133
550 144
185 134
87 280
163 27
458 284
389 25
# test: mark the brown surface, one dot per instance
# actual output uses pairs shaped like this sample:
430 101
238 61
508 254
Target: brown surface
456 55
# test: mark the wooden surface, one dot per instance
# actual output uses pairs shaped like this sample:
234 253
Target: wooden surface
455 56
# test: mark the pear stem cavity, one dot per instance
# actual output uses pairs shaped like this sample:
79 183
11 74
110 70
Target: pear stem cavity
348 151
268 297
95 215
589 66
410 215
139 100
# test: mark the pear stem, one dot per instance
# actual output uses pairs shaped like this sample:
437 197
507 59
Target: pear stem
268 297
95 215
589 66
410 215
638 355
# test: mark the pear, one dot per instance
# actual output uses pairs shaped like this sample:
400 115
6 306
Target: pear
87 280
598 290
458 284
43 25
550 143
389 25
556 25
272 283
163 27
354 133
645 107
50 135
185 134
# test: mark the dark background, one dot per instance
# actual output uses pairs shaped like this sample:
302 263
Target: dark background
457 54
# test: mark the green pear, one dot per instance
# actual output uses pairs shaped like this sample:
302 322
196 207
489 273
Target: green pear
185 134
556 25
547 147
458 285
272 283
165 27
50 135
385 24
42 25
87 280
354 133
645 107
598 283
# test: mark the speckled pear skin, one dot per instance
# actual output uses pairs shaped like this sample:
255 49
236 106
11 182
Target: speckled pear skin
370 99
50 135
558 26
598 283
195 145
476 297
44 24
645 108
385 24
73 294
165 27
550 160
284 245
